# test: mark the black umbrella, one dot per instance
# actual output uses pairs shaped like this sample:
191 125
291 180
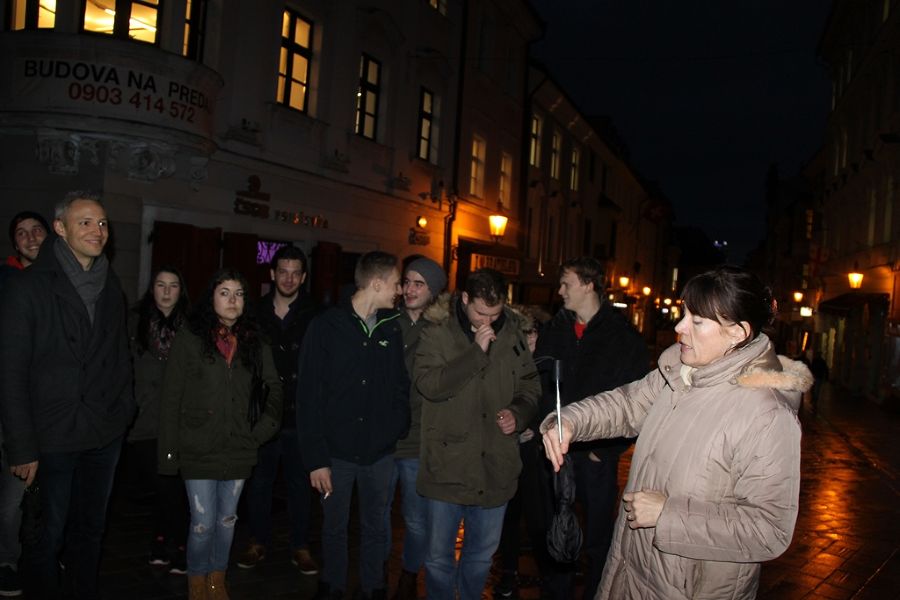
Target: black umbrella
564 535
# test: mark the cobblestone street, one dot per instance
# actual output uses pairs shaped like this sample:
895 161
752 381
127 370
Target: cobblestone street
845 544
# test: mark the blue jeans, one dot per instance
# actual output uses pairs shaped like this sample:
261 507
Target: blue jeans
74 489
11 490
259 490
373 483
443 576
415 514
213 515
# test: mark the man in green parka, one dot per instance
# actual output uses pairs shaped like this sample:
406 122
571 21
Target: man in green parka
478 379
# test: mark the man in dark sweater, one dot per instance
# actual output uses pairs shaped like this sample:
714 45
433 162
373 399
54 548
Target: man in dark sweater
352 407
284 315
65 380
599 351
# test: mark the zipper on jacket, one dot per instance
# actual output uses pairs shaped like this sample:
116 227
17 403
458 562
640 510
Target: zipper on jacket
369 332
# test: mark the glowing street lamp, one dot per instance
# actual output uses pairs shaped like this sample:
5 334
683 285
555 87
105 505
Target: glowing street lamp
855 277
646 290
497 223
624 281
798 297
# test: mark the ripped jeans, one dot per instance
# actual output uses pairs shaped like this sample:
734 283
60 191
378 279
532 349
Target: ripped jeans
213 516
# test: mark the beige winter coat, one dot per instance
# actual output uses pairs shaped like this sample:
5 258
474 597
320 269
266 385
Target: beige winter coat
725 450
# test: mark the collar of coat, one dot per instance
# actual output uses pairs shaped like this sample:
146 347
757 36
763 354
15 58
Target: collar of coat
440 310
754 366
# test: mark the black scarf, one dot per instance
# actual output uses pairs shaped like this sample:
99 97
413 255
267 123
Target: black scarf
89 284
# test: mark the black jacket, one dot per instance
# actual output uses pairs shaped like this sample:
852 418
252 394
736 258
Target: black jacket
65 384
609 354
352 389
285 337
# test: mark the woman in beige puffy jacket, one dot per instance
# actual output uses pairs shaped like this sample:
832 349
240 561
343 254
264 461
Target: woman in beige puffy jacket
715 475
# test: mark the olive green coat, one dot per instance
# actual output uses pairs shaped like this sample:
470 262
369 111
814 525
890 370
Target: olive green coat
203 430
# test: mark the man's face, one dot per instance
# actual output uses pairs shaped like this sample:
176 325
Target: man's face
387 289
29 236
85 229
575 295
480 313
288 276
416 294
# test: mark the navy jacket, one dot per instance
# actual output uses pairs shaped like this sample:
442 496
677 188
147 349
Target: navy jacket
65 384
609 354
352 389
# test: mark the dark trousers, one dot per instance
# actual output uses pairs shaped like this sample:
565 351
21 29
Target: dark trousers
170 509
74 489
258 493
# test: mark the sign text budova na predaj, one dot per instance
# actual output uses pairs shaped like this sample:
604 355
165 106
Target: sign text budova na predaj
116 91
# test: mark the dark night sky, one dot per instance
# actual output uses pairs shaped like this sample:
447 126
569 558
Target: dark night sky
706 94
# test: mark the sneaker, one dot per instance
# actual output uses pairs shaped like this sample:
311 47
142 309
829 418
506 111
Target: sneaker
179 562
304 561
158 553
251 556
9 582
506 586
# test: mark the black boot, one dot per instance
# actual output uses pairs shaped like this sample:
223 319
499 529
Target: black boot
407 587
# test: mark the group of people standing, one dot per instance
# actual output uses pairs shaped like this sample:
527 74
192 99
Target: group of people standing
443 397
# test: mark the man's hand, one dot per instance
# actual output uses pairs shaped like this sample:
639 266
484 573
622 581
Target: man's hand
506 421
643 507
321 480
27 472
484 335
552 448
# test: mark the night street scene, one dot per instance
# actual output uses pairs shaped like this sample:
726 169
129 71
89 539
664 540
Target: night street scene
450 298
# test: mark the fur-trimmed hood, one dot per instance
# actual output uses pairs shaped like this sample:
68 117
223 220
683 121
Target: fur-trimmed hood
439 311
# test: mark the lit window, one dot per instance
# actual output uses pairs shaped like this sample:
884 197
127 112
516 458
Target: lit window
140 24
555 149
573 172
194 17
534 156
429 111
33 14
367 97
505 177
476 176
293 62
438 5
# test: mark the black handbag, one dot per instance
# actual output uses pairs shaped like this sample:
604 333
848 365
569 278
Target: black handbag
259 395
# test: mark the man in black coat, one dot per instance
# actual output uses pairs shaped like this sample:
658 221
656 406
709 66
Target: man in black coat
599 351
284 314
65 381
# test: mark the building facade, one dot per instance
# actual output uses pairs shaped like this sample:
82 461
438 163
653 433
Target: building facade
858 322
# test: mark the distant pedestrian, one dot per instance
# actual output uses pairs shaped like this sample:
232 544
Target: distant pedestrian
819 369
353 406
284 315
714 484
154 323
480 389
221 400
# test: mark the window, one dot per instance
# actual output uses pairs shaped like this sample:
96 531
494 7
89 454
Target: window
33 14
367 97
137 19
505 177
873 204
476 175
439 5
555 149
888 222
809 223
429 111
194 24
885 10
573 171
293 62
534 155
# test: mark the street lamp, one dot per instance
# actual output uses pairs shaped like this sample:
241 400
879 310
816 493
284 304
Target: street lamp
798 296
623 281
497 223
855 277
646 290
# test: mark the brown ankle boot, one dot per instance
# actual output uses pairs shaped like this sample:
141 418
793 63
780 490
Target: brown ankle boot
197 587
216 583
407 589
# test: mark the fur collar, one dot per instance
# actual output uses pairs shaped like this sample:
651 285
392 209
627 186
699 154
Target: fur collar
794 376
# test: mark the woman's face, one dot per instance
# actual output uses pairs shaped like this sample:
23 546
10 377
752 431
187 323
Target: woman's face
228 301
166 292
703 340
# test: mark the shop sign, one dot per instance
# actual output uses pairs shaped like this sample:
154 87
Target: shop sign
507 266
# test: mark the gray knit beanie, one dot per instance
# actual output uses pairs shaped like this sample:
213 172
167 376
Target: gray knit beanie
431 272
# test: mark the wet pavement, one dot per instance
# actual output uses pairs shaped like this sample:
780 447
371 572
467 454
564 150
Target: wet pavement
846 543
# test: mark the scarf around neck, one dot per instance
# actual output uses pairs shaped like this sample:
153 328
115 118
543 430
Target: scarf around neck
88 284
